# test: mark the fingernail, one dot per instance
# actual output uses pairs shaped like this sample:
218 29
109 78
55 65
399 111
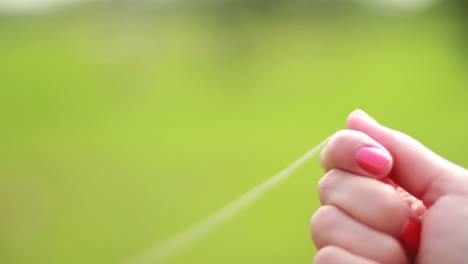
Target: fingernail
364 115
373 160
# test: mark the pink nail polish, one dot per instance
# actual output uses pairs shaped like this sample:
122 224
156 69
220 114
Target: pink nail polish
373 160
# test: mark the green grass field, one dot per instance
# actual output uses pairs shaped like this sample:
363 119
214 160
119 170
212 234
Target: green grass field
120 129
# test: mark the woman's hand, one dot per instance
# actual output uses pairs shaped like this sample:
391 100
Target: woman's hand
363 218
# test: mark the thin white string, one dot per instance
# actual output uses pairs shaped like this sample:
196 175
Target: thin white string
170 247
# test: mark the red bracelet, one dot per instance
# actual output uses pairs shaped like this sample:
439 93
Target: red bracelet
411 234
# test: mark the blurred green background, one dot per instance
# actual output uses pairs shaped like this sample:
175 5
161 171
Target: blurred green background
124 122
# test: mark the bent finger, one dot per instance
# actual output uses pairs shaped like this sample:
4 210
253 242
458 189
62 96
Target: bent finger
418 170
333 254
357 153
331 226
371 202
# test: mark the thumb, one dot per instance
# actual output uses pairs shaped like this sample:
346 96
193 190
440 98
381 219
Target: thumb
418 170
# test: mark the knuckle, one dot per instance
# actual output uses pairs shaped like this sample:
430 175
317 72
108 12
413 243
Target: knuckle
323 220
324 186
333 174
326 255
335 142
343 136
327 183
339 136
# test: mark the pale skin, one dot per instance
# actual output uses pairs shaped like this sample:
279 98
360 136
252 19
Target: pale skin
361 217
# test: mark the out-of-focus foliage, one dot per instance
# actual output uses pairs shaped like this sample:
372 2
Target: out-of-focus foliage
124 124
